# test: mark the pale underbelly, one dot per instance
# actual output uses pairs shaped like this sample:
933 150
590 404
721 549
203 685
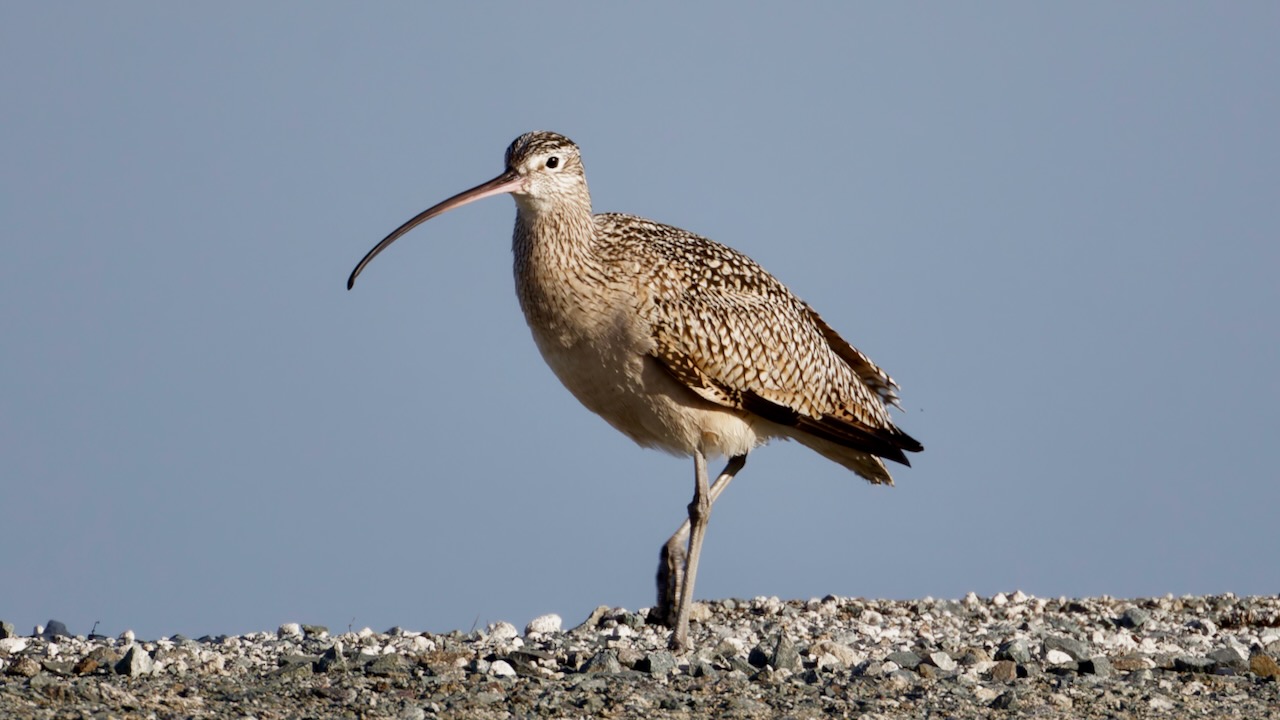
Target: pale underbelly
635 395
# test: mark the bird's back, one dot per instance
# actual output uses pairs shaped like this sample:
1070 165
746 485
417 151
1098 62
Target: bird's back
736 336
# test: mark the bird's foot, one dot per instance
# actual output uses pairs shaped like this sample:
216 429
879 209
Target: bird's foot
671 566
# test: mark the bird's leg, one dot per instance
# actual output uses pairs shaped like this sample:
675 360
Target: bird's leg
671 559
696 527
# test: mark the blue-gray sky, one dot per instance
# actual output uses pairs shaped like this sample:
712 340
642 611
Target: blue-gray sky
1056 226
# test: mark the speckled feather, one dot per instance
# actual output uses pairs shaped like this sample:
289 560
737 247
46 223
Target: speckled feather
604 292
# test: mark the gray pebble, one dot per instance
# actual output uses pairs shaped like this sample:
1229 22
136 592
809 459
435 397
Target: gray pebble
657 663
1133 618
785 656
54 630
1069 645
905 659
135 662
604 662
1015 650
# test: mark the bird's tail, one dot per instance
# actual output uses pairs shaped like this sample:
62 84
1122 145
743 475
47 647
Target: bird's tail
864 464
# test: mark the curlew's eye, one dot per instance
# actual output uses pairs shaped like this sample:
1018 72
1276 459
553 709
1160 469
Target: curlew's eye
553 162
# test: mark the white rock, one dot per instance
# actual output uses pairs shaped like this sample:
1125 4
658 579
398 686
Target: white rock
366 632
999 600
943 661
422 643
831 654
1057 657
127 637
1018 597
623 631
13 645
984 694
501 631
543 624
1060 700
502 668
971 599
1158 702
290 630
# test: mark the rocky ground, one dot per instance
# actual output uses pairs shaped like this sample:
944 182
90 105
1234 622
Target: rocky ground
1010 656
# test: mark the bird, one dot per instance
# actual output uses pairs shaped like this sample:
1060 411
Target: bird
678 342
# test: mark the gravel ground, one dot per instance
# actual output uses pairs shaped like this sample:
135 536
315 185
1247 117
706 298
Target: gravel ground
1011 655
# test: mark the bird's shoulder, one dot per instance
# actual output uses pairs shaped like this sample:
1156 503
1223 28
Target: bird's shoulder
684 267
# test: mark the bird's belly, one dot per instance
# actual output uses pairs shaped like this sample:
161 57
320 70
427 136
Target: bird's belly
621 383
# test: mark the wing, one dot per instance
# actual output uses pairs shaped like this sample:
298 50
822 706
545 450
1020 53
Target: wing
732 333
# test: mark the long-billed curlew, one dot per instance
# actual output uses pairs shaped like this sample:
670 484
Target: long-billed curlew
678 342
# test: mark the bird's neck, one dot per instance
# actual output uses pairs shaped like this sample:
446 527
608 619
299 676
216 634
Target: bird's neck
557 268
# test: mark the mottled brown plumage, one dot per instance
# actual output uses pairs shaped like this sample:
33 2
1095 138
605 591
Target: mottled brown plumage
678 342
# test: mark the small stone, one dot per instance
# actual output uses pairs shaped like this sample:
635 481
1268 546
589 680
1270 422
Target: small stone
600 613
135 662
784 655
905 659
1230 657
974 655
332 659
984 694
604 662
291 631
1099 666
1057 657
127 637
502 668
543 625
54 630
828 653
7 630
1133 618
1060 700
700 612
87 665
1190 663
1015 650
413 712
941 660
502 631
629 655
702 669
999 600
58 667
1007 700
386 665
1132 661
1159 702
1004 671
658 663
23 667
13 645
1264 666
1074 649
318 632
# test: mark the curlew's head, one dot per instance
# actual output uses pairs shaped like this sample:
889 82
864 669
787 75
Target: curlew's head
543 170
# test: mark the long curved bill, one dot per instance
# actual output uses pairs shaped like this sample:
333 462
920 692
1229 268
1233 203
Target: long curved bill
508 181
